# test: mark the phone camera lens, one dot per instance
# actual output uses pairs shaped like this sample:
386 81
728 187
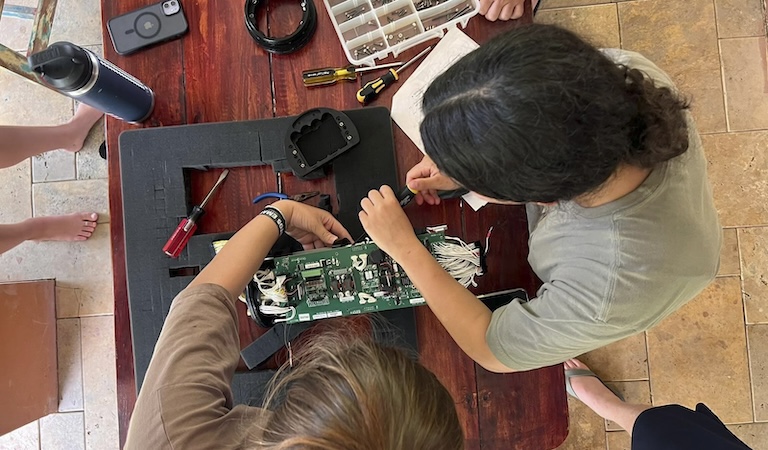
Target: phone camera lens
173 3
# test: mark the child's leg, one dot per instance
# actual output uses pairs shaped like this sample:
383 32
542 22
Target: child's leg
18 143
71 227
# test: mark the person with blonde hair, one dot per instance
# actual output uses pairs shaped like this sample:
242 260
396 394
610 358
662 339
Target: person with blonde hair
343 392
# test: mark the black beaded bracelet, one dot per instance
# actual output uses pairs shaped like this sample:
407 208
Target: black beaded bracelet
277 216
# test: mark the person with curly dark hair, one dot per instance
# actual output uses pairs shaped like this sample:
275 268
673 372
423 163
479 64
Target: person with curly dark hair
603 151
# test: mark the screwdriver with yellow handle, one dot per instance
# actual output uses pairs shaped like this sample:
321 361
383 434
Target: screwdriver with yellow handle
330 75
372 88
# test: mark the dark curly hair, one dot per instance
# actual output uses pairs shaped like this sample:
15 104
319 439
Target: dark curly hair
539 115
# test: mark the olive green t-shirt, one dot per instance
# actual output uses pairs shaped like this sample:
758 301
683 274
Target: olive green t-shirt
614 270
186 399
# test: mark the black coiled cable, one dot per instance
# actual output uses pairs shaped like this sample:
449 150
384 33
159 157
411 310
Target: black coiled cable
287 44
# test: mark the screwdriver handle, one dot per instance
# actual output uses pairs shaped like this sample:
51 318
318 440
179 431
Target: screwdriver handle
406 195
372 88
327 76
179 238
182 233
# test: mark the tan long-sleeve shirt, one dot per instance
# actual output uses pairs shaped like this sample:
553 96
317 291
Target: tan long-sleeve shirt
186 399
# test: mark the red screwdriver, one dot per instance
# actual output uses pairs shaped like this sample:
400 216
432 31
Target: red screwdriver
187 226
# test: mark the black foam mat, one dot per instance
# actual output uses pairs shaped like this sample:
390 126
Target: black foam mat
152 162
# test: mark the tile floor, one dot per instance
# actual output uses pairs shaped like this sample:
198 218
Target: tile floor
714 350
56 183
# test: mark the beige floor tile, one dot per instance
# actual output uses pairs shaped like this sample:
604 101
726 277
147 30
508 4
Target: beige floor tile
738 171
680 37
624 360
753 243
586 430
745 72
699 354
638 392
739 18
62 432
597 24
77 21
15 32
754 435
98 335
618 440
85 268
72 196
70 365
16 193
729 254
757 335
89 164
57 165
31 103
24 438
95 299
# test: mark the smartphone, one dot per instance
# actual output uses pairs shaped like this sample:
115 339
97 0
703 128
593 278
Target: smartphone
147 26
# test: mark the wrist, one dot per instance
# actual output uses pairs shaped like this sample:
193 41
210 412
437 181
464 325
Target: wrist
286 208
276 216
408 250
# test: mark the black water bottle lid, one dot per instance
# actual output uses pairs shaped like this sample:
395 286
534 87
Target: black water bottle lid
63 65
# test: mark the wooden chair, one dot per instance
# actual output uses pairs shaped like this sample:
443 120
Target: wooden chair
38 40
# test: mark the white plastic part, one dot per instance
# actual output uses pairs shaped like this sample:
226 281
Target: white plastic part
370 30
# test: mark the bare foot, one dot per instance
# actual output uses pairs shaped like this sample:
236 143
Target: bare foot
79 126
590 390
71 227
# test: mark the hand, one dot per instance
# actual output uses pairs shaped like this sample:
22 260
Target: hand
426 178
386 223
312 227
502 9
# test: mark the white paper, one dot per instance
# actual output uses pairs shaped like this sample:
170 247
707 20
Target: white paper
406 103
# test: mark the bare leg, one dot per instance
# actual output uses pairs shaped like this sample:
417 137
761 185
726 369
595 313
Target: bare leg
602 401
71 227
18 143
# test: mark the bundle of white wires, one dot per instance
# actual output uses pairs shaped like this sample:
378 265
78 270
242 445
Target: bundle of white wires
461 260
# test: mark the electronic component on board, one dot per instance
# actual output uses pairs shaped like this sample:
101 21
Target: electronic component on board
354 279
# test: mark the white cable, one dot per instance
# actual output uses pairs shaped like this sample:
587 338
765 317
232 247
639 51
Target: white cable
459 259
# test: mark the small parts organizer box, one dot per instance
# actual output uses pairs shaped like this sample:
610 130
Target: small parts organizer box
372 29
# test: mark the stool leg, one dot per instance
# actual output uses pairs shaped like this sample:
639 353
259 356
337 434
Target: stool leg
18 64
41 29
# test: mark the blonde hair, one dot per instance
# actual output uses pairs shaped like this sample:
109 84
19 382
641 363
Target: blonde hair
346 392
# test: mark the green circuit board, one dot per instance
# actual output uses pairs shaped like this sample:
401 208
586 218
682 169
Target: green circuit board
344 281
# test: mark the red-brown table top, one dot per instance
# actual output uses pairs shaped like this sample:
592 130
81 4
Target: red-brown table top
216 73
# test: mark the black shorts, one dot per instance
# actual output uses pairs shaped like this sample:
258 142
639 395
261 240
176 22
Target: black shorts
674 427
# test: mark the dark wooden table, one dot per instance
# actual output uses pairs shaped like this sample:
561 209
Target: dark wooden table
217 73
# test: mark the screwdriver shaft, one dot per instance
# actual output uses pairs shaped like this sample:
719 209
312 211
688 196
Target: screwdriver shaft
214 188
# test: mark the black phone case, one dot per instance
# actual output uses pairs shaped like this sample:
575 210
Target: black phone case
145 27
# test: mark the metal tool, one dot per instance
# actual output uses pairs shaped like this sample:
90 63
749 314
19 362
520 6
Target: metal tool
330 75
280 196
188 225
372 88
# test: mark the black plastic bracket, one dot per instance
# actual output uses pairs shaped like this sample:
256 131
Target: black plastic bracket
316 137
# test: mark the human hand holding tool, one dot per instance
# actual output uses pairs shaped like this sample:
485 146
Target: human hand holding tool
386 223
426 179
330 75
187 226
372 88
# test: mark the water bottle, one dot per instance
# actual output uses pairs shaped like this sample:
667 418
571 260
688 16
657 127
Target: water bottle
78 73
